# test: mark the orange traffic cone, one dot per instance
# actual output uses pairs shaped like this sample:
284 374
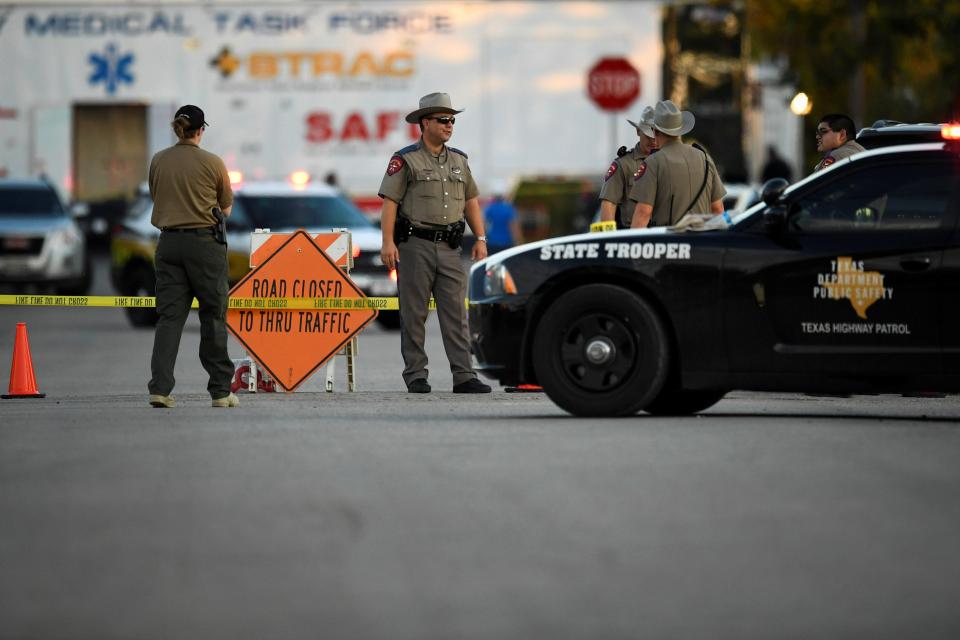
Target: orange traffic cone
23 384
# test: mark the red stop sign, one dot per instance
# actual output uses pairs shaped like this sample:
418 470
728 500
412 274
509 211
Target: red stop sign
613 84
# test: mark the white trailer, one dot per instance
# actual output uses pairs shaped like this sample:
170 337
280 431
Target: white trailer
90 87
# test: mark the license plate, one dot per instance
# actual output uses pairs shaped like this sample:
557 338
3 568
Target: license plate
15 244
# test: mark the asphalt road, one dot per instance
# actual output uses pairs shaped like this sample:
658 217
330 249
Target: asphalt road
382 515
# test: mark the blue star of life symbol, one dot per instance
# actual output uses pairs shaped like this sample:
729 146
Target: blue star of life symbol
111 69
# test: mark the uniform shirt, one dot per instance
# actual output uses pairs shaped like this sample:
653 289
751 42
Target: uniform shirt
186 183
432 191
669 179
845 150
619 181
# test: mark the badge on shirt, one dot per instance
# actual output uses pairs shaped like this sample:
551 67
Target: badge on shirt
827 162
640 171
396 163
457 170
612 170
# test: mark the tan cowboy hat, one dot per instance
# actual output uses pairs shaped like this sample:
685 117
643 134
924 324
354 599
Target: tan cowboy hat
432 103
668 119
645 124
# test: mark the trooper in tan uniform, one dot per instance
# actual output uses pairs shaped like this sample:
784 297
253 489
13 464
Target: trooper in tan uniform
835 139
615 203
679 178
428 192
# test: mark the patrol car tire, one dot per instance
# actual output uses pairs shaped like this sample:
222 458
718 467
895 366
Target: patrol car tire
681 402
142 282
389 320
601 350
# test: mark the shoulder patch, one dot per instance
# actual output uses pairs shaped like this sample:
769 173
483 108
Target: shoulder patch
396 163
455 150
612 170
642 169
408 149
829 160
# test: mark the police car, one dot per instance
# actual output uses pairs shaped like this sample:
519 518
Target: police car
279 206
846 282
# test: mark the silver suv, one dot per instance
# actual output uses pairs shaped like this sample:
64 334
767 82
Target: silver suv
40 242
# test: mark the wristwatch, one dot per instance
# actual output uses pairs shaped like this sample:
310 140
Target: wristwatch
481 238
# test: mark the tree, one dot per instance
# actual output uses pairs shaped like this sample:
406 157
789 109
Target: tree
905 52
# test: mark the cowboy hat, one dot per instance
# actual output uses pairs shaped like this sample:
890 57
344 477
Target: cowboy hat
432 103
668 119
645 124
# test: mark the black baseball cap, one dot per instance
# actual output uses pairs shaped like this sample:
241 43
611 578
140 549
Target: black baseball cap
194 114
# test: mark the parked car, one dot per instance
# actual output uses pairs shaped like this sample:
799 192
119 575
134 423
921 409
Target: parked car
40 242
277 206
846 282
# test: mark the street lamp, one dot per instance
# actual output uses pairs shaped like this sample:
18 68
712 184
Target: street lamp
801 105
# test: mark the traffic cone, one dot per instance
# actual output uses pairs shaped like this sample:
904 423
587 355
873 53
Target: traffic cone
23 384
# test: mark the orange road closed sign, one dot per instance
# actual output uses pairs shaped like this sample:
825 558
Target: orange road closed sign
293 343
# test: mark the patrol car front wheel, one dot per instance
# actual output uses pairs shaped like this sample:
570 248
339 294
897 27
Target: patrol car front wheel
601 350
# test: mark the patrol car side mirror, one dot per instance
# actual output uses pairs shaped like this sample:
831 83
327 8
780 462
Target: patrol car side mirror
774 218
772 189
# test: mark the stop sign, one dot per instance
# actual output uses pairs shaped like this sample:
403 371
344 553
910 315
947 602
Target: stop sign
613 84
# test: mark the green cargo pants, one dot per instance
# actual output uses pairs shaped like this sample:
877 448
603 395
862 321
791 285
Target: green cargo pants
188 265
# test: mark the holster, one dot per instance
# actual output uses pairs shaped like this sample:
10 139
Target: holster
401 228
456 234
220 229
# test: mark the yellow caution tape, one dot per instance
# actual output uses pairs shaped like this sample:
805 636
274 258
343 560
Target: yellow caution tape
383 304
606 225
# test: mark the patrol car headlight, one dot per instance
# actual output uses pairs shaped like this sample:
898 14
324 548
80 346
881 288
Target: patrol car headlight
498 281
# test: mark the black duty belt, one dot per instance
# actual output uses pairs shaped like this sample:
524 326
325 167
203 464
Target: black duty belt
195 230
433 235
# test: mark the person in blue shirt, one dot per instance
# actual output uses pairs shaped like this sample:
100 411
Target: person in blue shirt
502 226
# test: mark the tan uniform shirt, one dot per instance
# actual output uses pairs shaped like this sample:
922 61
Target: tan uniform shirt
669 179
186 183
847 149
432 191
619 181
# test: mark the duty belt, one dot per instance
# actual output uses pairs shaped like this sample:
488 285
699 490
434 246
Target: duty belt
196 230
433 235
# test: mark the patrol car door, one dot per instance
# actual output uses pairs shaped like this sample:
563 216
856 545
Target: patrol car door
849 287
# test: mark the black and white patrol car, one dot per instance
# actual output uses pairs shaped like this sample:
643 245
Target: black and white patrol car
846 282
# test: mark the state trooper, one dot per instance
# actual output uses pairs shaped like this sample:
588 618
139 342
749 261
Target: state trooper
836 135
615 203
428 191
679 178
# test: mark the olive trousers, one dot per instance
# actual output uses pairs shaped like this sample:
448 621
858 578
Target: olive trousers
426 268
191 265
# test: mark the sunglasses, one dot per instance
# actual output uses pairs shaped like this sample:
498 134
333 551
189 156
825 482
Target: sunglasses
445 120
823 132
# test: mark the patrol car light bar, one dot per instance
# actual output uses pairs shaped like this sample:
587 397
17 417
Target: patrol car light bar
950 131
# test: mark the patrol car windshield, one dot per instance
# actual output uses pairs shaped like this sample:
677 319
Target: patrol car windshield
29 202
301 211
